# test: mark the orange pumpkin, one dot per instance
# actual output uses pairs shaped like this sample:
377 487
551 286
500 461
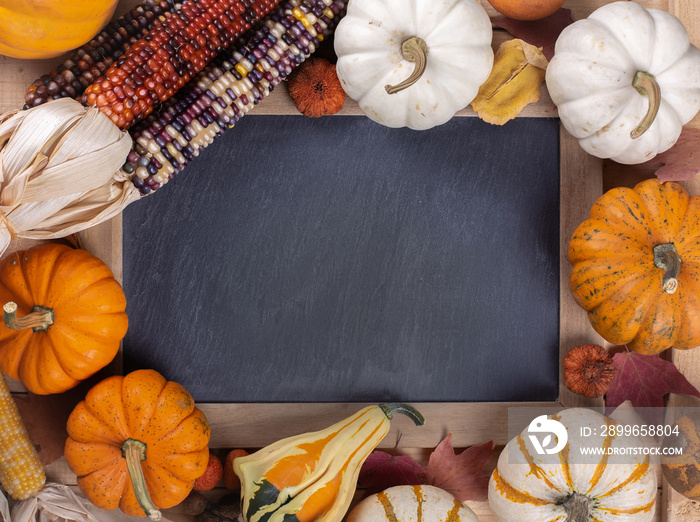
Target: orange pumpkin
47 28
636 267
526 9
69 318
137 443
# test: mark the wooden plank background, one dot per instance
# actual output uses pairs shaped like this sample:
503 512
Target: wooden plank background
582 182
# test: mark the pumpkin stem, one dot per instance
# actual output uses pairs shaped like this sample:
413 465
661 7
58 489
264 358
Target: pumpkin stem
399 407
578 508
666 258
134 451
414 50
646 85
39 319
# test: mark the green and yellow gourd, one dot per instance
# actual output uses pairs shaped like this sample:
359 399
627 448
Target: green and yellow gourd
312 477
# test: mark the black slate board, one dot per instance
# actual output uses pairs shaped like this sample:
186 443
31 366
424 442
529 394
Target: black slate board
339 260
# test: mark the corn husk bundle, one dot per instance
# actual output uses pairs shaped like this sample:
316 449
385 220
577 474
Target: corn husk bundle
53 503
61 163
59 171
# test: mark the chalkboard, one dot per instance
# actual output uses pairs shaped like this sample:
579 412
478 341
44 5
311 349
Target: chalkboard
338 260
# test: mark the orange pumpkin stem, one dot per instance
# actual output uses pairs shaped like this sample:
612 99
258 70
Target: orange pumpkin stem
39 319
134 451
666 258
414 50
646 85
578 508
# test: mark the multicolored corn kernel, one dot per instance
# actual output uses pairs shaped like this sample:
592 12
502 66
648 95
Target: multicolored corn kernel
168 56
90 61
227 89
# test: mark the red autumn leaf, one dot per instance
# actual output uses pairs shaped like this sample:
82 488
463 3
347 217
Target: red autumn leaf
645 380
540 33
45 417
462 475
383 470
682 161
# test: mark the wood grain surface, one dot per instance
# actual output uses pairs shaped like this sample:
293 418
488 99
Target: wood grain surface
471 423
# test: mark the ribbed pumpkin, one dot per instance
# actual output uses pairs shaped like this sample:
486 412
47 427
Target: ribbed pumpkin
137 443
411 504
312 477
636 267
47 28
570 485
70 315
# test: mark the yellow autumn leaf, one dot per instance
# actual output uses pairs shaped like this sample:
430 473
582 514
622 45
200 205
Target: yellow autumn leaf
514 82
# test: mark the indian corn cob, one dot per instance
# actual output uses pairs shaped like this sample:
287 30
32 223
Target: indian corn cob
90 61
172 53
21 471
227 89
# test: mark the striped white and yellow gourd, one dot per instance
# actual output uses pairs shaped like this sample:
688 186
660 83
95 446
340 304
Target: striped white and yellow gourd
312 477
411 504
571 486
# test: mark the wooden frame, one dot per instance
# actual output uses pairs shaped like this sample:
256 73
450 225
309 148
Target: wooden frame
255 425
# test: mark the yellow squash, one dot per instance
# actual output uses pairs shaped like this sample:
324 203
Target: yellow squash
47 28
312 477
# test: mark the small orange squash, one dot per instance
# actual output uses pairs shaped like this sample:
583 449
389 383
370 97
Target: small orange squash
68 321
526 9
137 443
636 267
47 28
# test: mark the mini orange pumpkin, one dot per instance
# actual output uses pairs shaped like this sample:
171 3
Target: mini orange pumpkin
71 317
526 9
636 267
137 443
47 28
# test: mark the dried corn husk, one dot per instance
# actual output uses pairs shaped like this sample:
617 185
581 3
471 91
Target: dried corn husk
59 171
59 503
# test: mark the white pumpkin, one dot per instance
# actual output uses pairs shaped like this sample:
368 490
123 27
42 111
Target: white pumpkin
448 40
411 504
593 73
529 487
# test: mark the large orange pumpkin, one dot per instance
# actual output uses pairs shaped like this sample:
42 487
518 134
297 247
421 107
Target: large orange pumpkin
69 319
137 443
47 28
636 267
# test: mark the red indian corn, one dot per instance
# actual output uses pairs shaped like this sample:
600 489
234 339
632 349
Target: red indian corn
21 471
159 64
227 89
91 60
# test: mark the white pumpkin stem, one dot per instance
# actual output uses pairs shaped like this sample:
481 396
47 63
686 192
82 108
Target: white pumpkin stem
414 50
578 508
667 259
39 319
647 85
134 451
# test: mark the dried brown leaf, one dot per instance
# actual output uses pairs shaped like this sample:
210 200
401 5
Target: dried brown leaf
462 475
682 161
515 81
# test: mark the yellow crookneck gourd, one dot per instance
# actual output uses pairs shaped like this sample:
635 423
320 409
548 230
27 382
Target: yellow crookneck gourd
312 477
